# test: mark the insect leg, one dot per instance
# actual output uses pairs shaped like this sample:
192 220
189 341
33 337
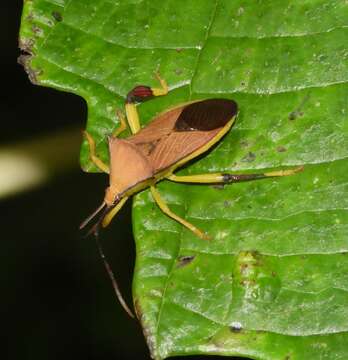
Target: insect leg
164 207
231 178
138 94
92 153
164 87
123 124
132 117
109 216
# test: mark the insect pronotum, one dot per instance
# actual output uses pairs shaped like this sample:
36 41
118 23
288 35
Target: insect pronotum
154 152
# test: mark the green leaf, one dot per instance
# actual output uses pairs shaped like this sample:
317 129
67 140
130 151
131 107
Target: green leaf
272 282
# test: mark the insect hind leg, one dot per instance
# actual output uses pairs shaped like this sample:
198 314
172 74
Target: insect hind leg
164 207
227 178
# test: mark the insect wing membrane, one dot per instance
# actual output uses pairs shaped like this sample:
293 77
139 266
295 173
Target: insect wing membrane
179 132
206 115
178 145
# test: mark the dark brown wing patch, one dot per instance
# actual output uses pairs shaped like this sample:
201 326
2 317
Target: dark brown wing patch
206 115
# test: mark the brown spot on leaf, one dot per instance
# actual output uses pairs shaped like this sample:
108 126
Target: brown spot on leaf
37 30
57 16
227 203
281 148
30 17
244 269
298 111
293 115
249 157
185 260
26 45
244 143
24 60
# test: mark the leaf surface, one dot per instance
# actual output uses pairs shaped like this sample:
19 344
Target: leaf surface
272 282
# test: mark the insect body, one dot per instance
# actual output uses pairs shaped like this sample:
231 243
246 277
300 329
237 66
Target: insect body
154 152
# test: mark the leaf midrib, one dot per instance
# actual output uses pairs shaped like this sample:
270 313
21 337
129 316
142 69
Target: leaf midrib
185 204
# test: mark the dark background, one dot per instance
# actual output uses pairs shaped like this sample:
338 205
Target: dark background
57 300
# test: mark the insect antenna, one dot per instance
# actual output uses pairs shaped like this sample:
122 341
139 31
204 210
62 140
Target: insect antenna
104 209
112 276
92 216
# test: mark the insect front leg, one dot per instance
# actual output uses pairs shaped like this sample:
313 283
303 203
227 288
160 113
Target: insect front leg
138 94
92 154
123 124
109 216
226 178
164 207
